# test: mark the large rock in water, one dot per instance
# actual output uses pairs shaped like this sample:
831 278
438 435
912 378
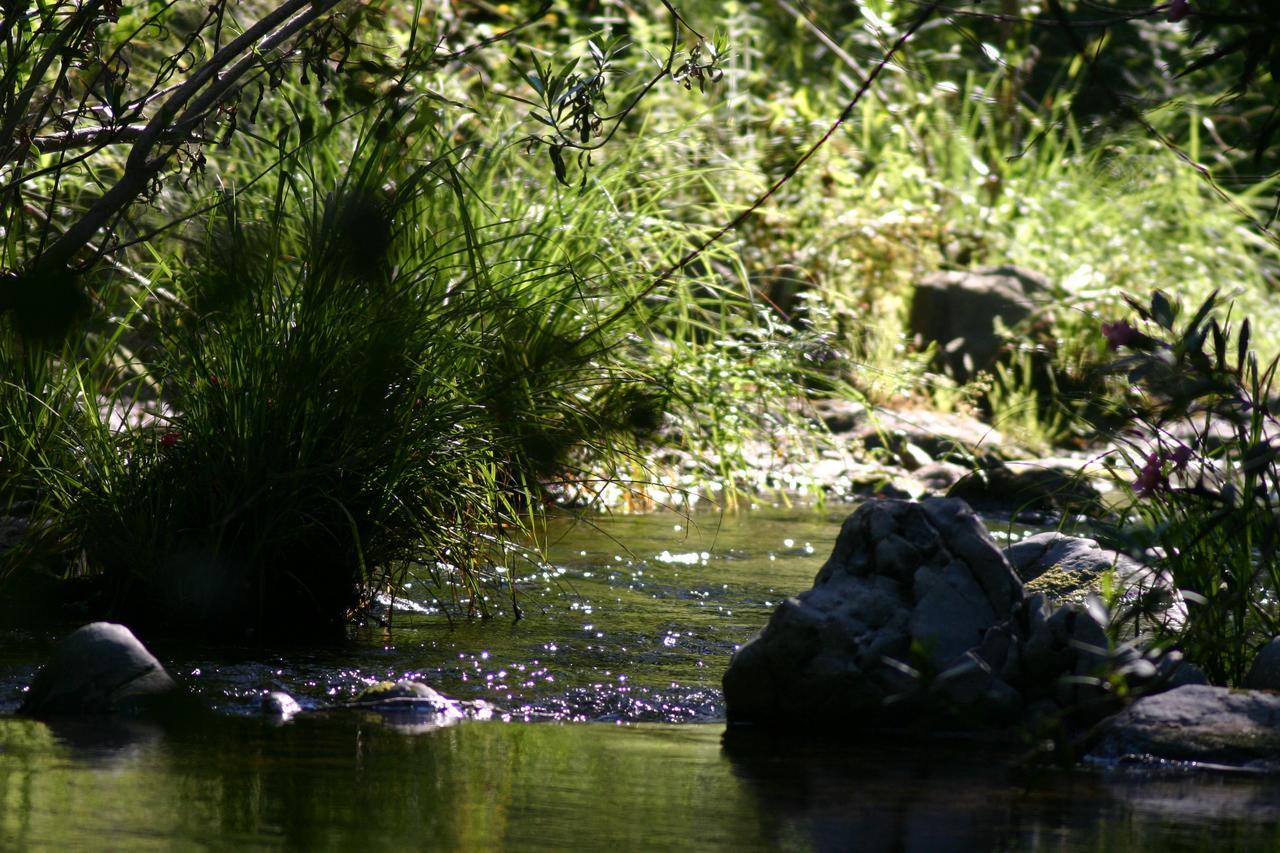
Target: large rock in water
100 668
958 311
918 612
909 588
1198 723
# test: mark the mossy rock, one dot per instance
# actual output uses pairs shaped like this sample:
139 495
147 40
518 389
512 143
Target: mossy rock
387 695
1064 585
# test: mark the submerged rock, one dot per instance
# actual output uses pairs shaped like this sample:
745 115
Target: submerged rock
280 705
98 669
399 694
407 706
1196 723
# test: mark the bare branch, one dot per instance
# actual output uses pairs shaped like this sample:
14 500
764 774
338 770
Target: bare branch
190 103
100 137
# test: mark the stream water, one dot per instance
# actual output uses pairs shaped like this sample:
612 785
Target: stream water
608 734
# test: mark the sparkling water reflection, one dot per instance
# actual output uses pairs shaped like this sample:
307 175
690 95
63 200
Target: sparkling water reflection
626 632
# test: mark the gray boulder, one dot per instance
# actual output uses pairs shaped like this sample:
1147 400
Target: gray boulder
1196 723
1265 672
908 586
958 311
1069 568
918 612
1002 487
98 669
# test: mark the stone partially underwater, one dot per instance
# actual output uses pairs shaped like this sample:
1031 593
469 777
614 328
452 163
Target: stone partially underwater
918 613
102 670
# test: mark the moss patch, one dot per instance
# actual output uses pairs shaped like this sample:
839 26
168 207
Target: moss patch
1063 586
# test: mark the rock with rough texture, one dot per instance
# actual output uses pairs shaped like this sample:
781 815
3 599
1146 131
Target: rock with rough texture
942 435
98 669
1265 672
1002 487
1068 568
917 612
908 585
958 311
1196 723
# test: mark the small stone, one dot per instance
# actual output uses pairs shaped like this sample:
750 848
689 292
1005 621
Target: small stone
276 703
1176 672
938 477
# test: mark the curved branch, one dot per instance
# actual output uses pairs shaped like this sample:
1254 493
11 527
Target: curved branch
193 99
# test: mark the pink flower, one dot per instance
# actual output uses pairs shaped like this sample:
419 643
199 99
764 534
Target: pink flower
169 439
1118 334
1177 10
1151 477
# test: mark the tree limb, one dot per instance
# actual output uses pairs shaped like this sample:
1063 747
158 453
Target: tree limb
190 102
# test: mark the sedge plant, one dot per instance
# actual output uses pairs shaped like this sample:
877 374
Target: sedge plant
1200 444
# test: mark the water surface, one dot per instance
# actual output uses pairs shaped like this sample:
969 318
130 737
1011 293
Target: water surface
609 734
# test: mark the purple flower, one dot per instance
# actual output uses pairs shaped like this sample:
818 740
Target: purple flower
1118 334
1177 10
1180 456
1150 478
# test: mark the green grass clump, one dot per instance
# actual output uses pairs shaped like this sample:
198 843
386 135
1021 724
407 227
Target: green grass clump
381 341
365 377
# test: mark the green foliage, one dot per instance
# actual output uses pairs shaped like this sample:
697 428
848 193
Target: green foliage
374 324
368 374
1200 445
1243 41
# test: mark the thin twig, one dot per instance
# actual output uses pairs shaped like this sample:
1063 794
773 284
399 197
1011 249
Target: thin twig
697 250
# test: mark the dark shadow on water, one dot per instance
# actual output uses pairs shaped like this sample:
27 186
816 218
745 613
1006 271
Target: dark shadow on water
908 792
106 739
